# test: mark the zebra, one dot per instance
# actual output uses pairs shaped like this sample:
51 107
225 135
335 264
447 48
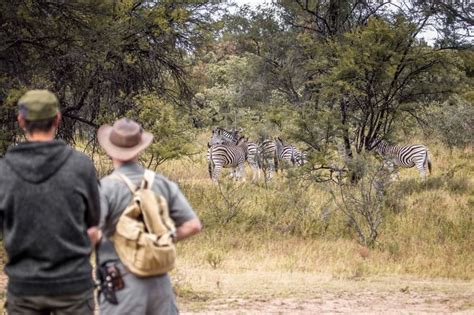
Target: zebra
224 136
268 156
289 154
227 155
405 156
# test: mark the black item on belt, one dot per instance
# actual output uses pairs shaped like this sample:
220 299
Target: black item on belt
110 281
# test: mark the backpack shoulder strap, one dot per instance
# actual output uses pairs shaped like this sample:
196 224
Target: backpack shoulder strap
126 180
148 178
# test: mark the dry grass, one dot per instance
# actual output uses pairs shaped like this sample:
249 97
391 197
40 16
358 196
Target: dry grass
428 229
285 246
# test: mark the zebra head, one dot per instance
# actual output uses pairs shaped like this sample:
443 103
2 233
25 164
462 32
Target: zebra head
242 143
279 145
300 158
223 136
297 157
378 145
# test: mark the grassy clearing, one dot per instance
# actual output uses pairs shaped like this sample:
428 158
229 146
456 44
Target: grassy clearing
427 231
293 225
289 239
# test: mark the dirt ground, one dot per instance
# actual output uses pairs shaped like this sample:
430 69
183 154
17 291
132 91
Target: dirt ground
214 292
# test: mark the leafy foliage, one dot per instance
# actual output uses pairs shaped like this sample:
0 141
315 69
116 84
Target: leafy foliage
329 75
173 134
98 55
453 122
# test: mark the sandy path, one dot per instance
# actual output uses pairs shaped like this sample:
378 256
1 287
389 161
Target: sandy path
300 293
215 292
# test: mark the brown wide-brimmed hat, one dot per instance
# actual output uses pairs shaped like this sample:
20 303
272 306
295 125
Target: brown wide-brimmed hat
124 140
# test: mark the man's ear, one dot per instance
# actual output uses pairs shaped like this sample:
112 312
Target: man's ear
21 121
57 120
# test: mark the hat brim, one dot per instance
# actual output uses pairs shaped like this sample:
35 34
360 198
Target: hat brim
121 153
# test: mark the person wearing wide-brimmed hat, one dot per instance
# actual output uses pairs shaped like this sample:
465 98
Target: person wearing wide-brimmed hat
124 142
49 213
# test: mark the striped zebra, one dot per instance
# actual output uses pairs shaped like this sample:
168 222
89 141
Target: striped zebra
224 136
289 154
227 155
268 156
405 156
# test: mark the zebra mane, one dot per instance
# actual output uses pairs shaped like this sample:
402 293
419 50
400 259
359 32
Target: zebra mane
242 139
279 144
221 135
223 131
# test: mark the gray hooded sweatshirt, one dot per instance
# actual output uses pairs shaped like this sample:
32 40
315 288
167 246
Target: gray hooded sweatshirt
48 199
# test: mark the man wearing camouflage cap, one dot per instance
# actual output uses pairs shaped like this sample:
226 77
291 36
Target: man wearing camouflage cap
49 210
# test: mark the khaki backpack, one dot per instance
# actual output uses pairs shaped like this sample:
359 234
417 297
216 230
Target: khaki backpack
143 238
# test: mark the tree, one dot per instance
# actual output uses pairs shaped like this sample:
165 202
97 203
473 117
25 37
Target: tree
170 125
98 55
454 20
382 72
364 70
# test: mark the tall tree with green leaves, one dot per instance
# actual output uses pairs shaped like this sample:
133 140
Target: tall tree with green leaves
98 55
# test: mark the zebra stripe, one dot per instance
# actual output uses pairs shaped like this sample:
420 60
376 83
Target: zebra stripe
253 159
227 155
268 156
406 156
224 136
290 154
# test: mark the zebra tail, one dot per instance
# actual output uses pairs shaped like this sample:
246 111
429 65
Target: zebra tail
429 163
258 159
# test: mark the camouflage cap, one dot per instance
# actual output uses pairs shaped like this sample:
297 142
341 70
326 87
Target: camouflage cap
38 105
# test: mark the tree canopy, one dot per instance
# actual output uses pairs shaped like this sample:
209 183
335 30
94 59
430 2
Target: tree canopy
333 75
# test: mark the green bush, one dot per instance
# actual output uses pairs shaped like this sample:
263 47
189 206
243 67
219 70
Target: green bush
453 122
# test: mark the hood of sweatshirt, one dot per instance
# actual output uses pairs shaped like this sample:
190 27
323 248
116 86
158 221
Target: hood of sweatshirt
36 162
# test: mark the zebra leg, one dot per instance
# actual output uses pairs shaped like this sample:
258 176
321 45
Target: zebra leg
241 169
255 171
235 173
271 168
420 162
428 162
421 168
210 163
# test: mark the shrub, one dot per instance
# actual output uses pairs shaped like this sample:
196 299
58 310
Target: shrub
453 122
362 203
